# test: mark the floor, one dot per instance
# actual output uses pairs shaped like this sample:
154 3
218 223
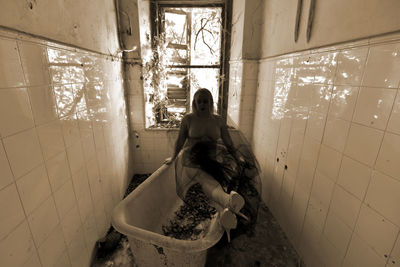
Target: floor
268 246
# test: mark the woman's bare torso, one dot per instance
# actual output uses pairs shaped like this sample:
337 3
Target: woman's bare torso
203 129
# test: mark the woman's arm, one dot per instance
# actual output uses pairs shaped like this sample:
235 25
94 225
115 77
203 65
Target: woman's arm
182 136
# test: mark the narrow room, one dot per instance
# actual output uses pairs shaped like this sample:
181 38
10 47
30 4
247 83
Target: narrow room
200 133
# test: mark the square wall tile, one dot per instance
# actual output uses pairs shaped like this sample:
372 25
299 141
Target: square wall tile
23 152
316 125
58 170
64 96
75 157
320 97
34 188
345 206
343 102
374 229
383 66
384 196
17 247
354 177
43 104
52 250
51 139
71 224
389 156
363 144
34 63
350 66
65 199
374 106
361 254
394 259
394 120
329 162
33 261
337 232
11 209
336 131
326 64
11 74
15 111
43 221
6 177
70 129
322 189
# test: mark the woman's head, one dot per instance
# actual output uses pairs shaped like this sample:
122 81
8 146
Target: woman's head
203 101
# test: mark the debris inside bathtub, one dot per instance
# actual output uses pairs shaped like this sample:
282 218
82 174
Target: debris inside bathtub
193 217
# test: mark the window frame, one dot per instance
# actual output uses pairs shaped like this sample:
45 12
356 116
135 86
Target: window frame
155 26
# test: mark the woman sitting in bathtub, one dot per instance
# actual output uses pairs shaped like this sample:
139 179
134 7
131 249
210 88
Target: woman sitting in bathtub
200 157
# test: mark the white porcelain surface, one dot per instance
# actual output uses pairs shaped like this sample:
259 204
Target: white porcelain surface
394 120
374 106
388 160
77 250
329 162
34 188
6 176
33 261
363 143
325 66
379 233
15 111
361 254
343 102
34 63
384 196
23 152
383 66
43 104
17 247
336 131
354 177
345 206
43 221
11 207
11 73
350 66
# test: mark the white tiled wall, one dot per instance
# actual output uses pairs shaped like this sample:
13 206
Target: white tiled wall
326 133
63 150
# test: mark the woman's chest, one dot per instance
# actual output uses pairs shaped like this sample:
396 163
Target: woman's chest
204 127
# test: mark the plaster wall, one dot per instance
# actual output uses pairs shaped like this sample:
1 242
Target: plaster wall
89 24
334 22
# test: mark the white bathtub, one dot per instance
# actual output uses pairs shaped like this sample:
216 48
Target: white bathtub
141 214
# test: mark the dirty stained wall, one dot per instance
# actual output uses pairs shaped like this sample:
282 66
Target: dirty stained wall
64 152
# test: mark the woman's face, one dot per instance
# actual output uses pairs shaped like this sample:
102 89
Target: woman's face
203 103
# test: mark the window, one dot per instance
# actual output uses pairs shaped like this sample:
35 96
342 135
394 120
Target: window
189 52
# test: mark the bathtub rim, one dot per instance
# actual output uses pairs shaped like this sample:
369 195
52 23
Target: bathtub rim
213 235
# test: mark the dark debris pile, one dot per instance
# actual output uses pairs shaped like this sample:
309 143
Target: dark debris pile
192 218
